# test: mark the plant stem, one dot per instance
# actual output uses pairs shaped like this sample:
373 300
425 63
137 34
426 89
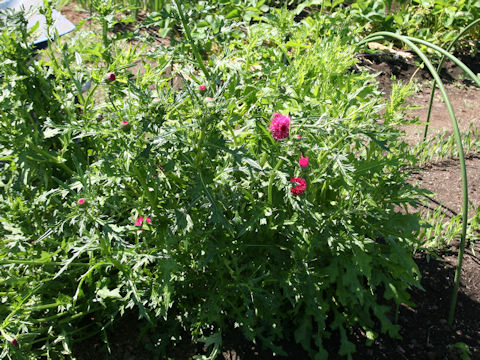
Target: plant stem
34 262
53 159
439 67
194 46
270 181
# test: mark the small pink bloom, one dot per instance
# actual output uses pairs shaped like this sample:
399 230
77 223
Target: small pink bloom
280 126
14 342
299 136
124 123
81 201
303 161
148 220
202 88
111 77
139 221
301 186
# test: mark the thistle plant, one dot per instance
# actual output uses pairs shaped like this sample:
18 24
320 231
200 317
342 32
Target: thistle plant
268 201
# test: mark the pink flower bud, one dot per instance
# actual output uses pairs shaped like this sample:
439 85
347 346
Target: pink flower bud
202 88
148 220
125 125
303 161
139 221
81 201
111 77
14 342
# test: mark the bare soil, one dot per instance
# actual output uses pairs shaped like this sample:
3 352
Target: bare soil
425 332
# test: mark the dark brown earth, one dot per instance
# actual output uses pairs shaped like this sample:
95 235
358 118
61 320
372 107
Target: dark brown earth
425 331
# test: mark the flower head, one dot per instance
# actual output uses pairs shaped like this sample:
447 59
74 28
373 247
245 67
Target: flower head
81 201
280 126
14 342
111 77
139 221
303 161
202 87
300 187
124 123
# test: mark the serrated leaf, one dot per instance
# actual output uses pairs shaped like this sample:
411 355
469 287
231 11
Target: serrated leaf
107 293
51 132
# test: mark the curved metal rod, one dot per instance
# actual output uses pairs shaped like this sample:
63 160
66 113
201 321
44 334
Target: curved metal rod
461 156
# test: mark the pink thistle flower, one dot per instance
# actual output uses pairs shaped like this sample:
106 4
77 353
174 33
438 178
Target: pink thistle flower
301 186
124 123
303 161
111 77
14 342
139 221
148 220
299 136
81 201
280 126
202 88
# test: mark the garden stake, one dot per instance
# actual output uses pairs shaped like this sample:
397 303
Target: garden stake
461 156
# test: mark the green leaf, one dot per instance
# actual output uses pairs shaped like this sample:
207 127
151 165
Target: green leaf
106 293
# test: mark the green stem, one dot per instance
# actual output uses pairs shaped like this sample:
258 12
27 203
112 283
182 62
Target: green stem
62 314
42 307
270 181
194 46
89 95
70 333
439 67
53 159
461 156
104 33
41 263
20 304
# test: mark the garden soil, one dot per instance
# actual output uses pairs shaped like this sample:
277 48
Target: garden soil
425 333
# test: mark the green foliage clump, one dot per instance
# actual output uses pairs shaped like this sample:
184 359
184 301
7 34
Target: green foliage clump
176 202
